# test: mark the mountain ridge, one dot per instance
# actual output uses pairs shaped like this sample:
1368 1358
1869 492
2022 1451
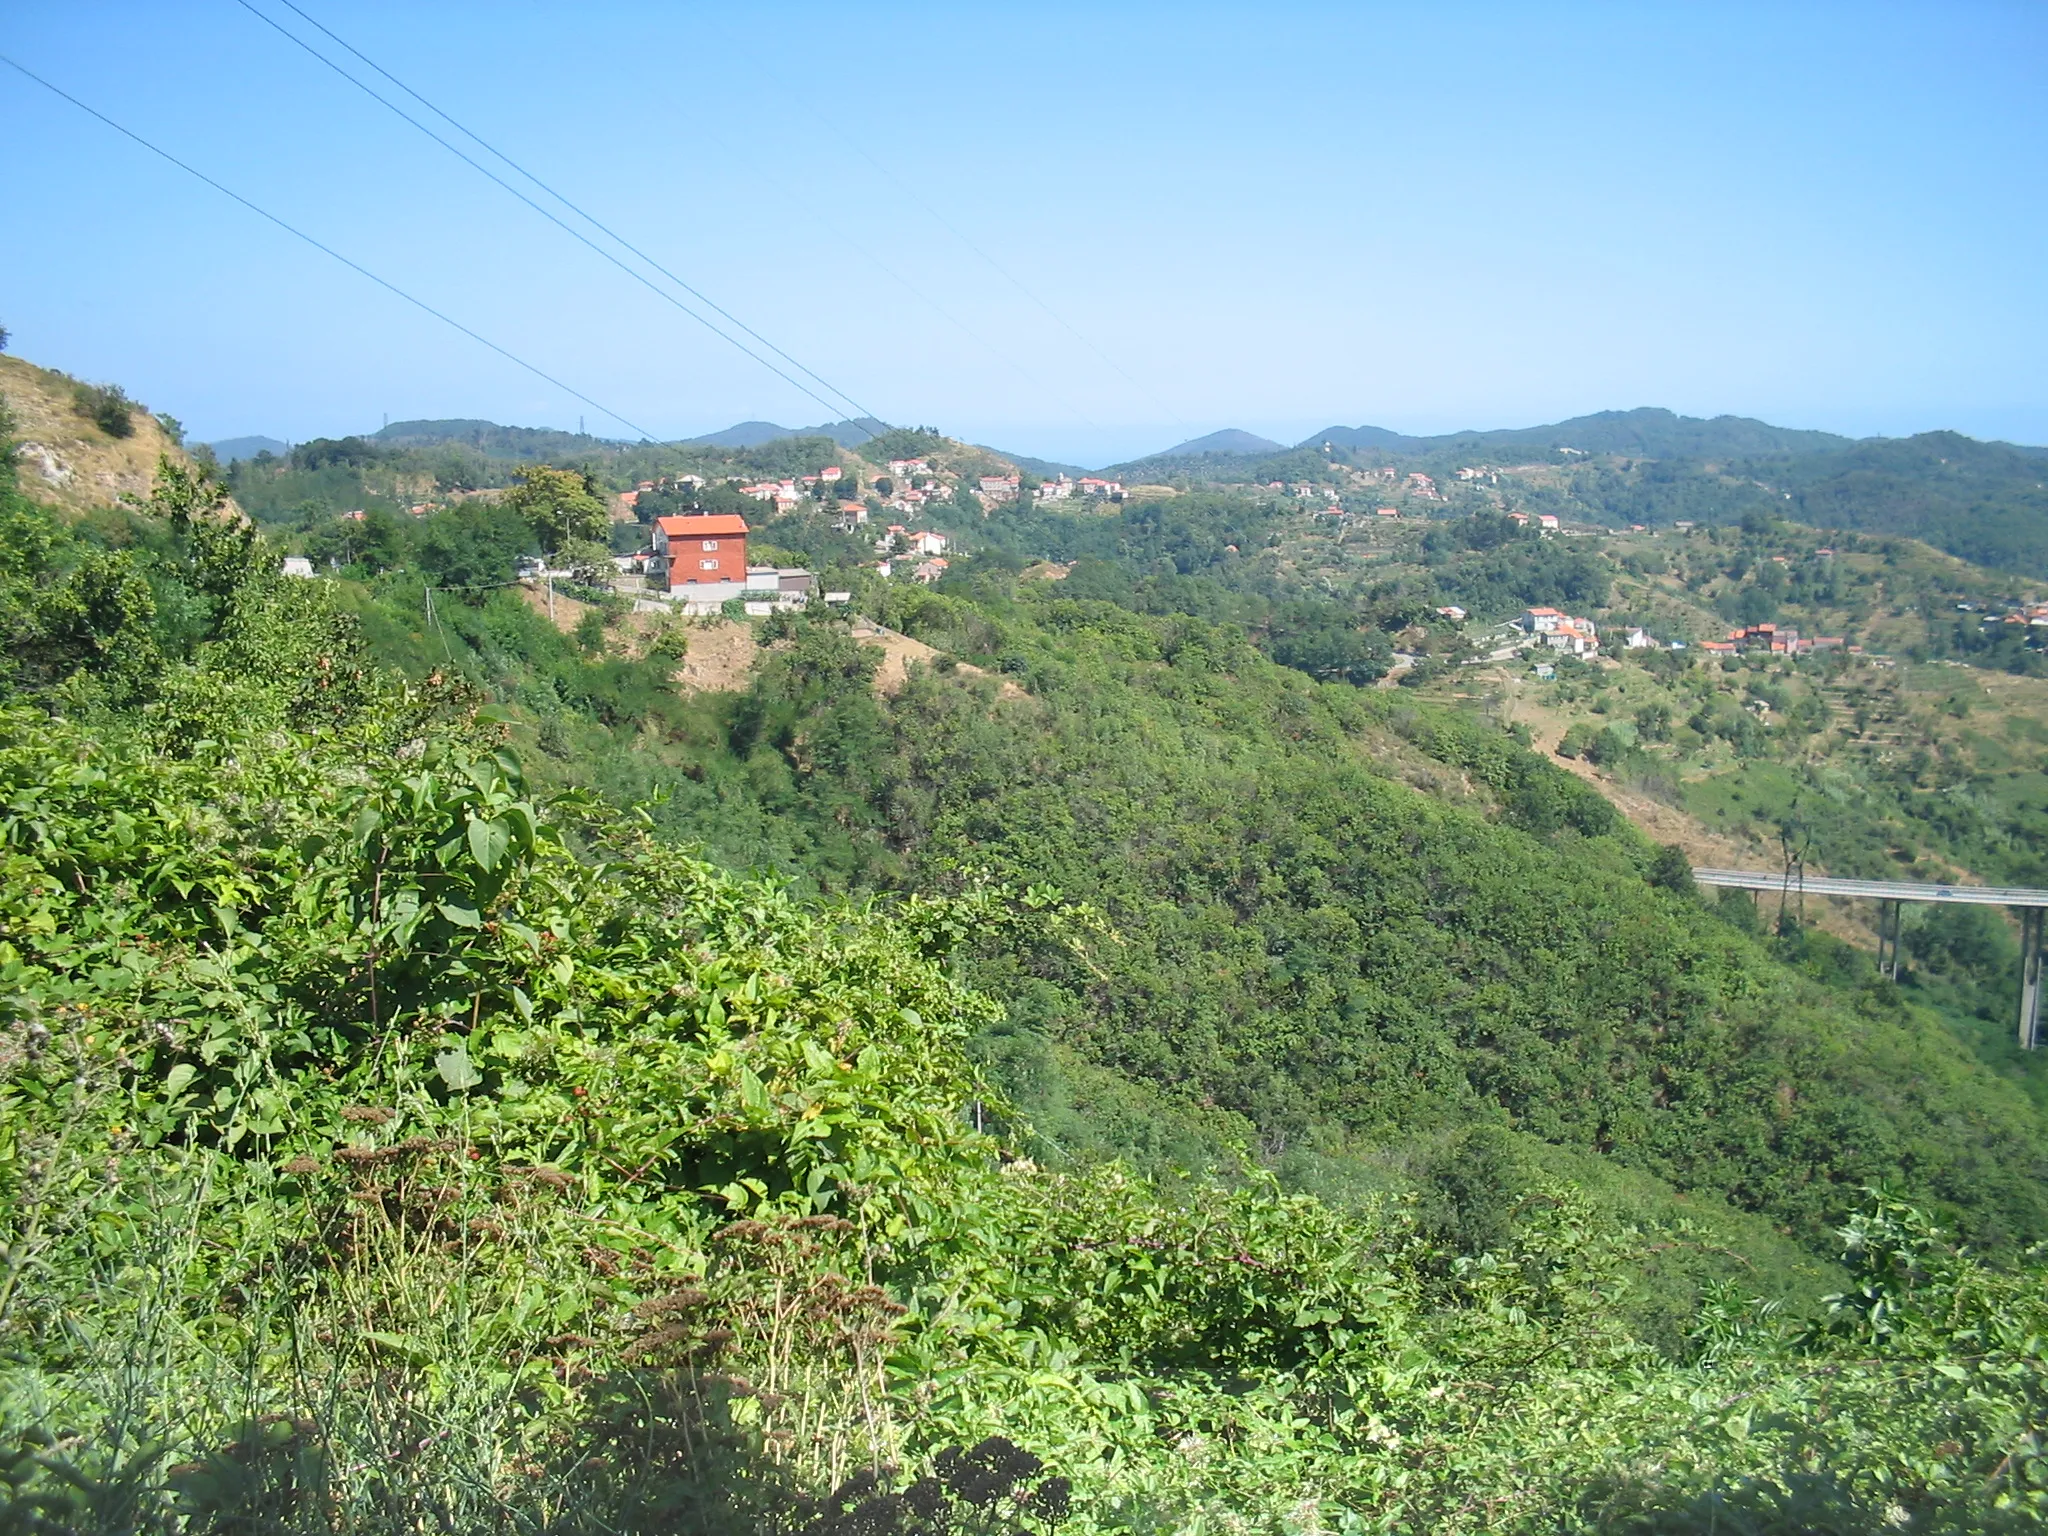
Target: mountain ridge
1226 440
1648 430
228 449
1653 432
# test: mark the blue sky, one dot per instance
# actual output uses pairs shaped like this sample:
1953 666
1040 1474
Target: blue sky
1077 231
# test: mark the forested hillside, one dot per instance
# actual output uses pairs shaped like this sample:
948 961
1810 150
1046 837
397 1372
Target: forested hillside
1123 1075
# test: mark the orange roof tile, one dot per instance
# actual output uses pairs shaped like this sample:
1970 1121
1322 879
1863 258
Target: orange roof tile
701 525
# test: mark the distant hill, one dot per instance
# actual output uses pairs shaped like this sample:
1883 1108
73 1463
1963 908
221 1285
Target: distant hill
745 434
1229 440
1648 431
1044 468
752 434
1367 437
229 449
487 437
1987 502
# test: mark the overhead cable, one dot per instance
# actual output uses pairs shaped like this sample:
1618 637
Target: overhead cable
1002 271
858 410
1005 355
296 232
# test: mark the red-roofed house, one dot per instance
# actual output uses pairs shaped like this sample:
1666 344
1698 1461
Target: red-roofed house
707 548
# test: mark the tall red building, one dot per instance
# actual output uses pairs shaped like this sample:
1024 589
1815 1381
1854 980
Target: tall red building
707 548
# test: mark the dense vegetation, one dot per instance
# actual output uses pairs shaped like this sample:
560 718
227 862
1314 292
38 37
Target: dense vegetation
1984 502
1155 1088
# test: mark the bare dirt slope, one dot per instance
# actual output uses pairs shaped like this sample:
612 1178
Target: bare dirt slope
899 651
721 656
1846 920
566 610
65 460
721 652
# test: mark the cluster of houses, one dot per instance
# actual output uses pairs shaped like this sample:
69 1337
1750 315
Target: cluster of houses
792 492
926 548
2032 615
1556 630
1545 521
1770 639
1058 488
698 562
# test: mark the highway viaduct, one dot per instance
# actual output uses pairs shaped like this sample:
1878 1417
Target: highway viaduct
1891 895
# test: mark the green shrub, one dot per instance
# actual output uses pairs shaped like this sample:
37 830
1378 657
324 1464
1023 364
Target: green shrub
107 407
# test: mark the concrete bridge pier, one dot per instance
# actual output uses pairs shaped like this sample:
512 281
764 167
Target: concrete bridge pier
1890 919
2030 977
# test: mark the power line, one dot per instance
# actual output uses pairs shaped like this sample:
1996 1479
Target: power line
1015 281
858 409
1007 357
328 250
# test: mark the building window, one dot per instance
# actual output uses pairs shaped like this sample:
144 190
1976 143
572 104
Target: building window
711 543
707 565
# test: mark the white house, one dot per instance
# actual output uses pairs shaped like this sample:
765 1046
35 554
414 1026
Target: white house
927 544
1561 631
1641 640
1575 637
296 565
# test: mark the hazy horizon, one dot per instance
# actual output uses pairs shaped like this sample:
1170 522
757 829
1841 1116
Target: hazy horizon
1080 234
1277 432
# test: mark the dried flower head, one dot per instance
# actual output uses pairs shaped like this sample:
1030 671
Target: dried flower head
684 1300
366 1157
743 1232
369 1115
652 1343
302 1165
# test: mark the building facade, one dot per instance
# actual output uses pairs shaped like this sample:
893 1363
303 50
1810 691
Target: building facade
704 550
